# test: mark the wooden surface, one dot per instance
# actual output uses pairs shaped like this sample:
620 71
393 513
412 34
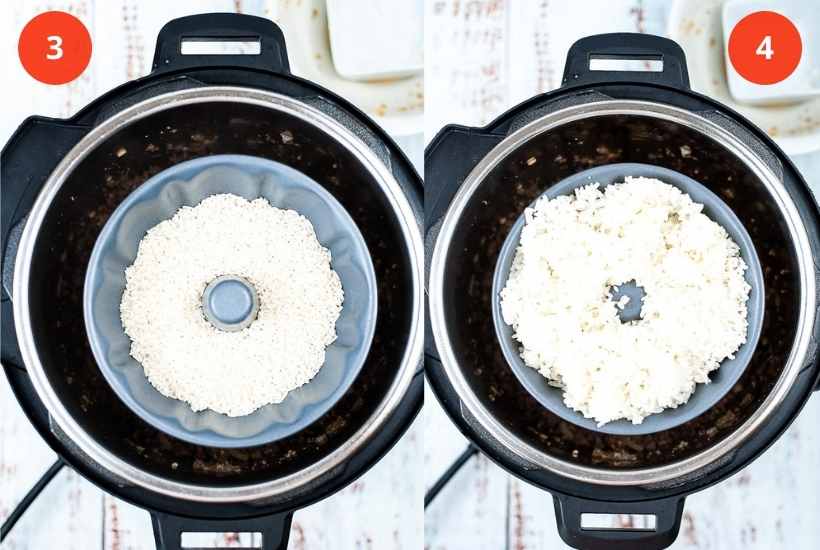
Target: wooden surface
483 57
378 511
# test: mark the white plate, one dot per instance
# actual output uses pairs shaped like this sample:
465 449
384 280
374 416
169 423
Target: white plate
397 105
796 128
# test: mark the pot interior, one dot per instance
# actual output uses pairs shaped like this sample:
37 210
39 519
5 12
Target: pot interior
83 205
523 175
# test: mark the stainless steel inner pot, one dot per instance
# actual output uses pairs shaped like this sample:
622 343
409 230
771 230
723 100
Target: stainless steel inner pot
462 373
42 214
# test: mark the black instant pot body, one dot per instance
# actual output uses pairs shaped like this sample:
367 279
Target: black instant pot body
477 183
98 182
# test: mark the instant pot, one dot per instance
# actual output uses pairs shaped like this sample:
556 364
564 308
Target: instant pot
62 179
477 183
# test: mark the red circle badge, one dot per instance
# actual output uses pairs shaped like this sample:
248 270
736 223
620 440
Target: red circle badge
54 47
765 47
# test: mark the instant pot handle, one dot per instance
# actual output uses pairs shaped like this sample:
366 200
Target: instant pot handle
623 46
448 159
22 175
168 529
569 511
221 27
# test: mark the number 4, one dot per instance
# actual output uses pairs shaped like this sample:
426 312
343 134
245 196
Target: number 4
765 48
54 45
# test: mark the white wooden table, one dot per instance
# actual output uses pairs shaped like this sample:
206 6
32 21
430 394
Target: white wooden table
378 511
483 57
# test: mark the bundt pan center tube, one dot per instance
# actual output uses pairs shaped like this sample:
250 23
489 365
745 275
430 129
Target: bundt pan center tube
478 181
63 179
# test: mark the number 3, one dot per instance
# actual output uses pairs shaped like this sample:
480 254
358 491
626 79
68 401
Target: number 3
765 48
55 43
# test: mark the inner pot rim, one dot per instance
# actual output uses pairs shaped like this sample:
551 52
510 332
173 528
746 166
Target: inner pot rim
25 334
452 218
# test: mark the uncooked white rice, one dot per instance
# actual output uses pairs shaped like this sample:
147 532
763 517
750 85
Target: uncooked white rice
575 249
300 298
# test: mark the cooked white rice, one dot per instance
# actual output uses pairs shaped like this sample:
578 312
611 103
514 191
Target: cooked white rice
575 249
